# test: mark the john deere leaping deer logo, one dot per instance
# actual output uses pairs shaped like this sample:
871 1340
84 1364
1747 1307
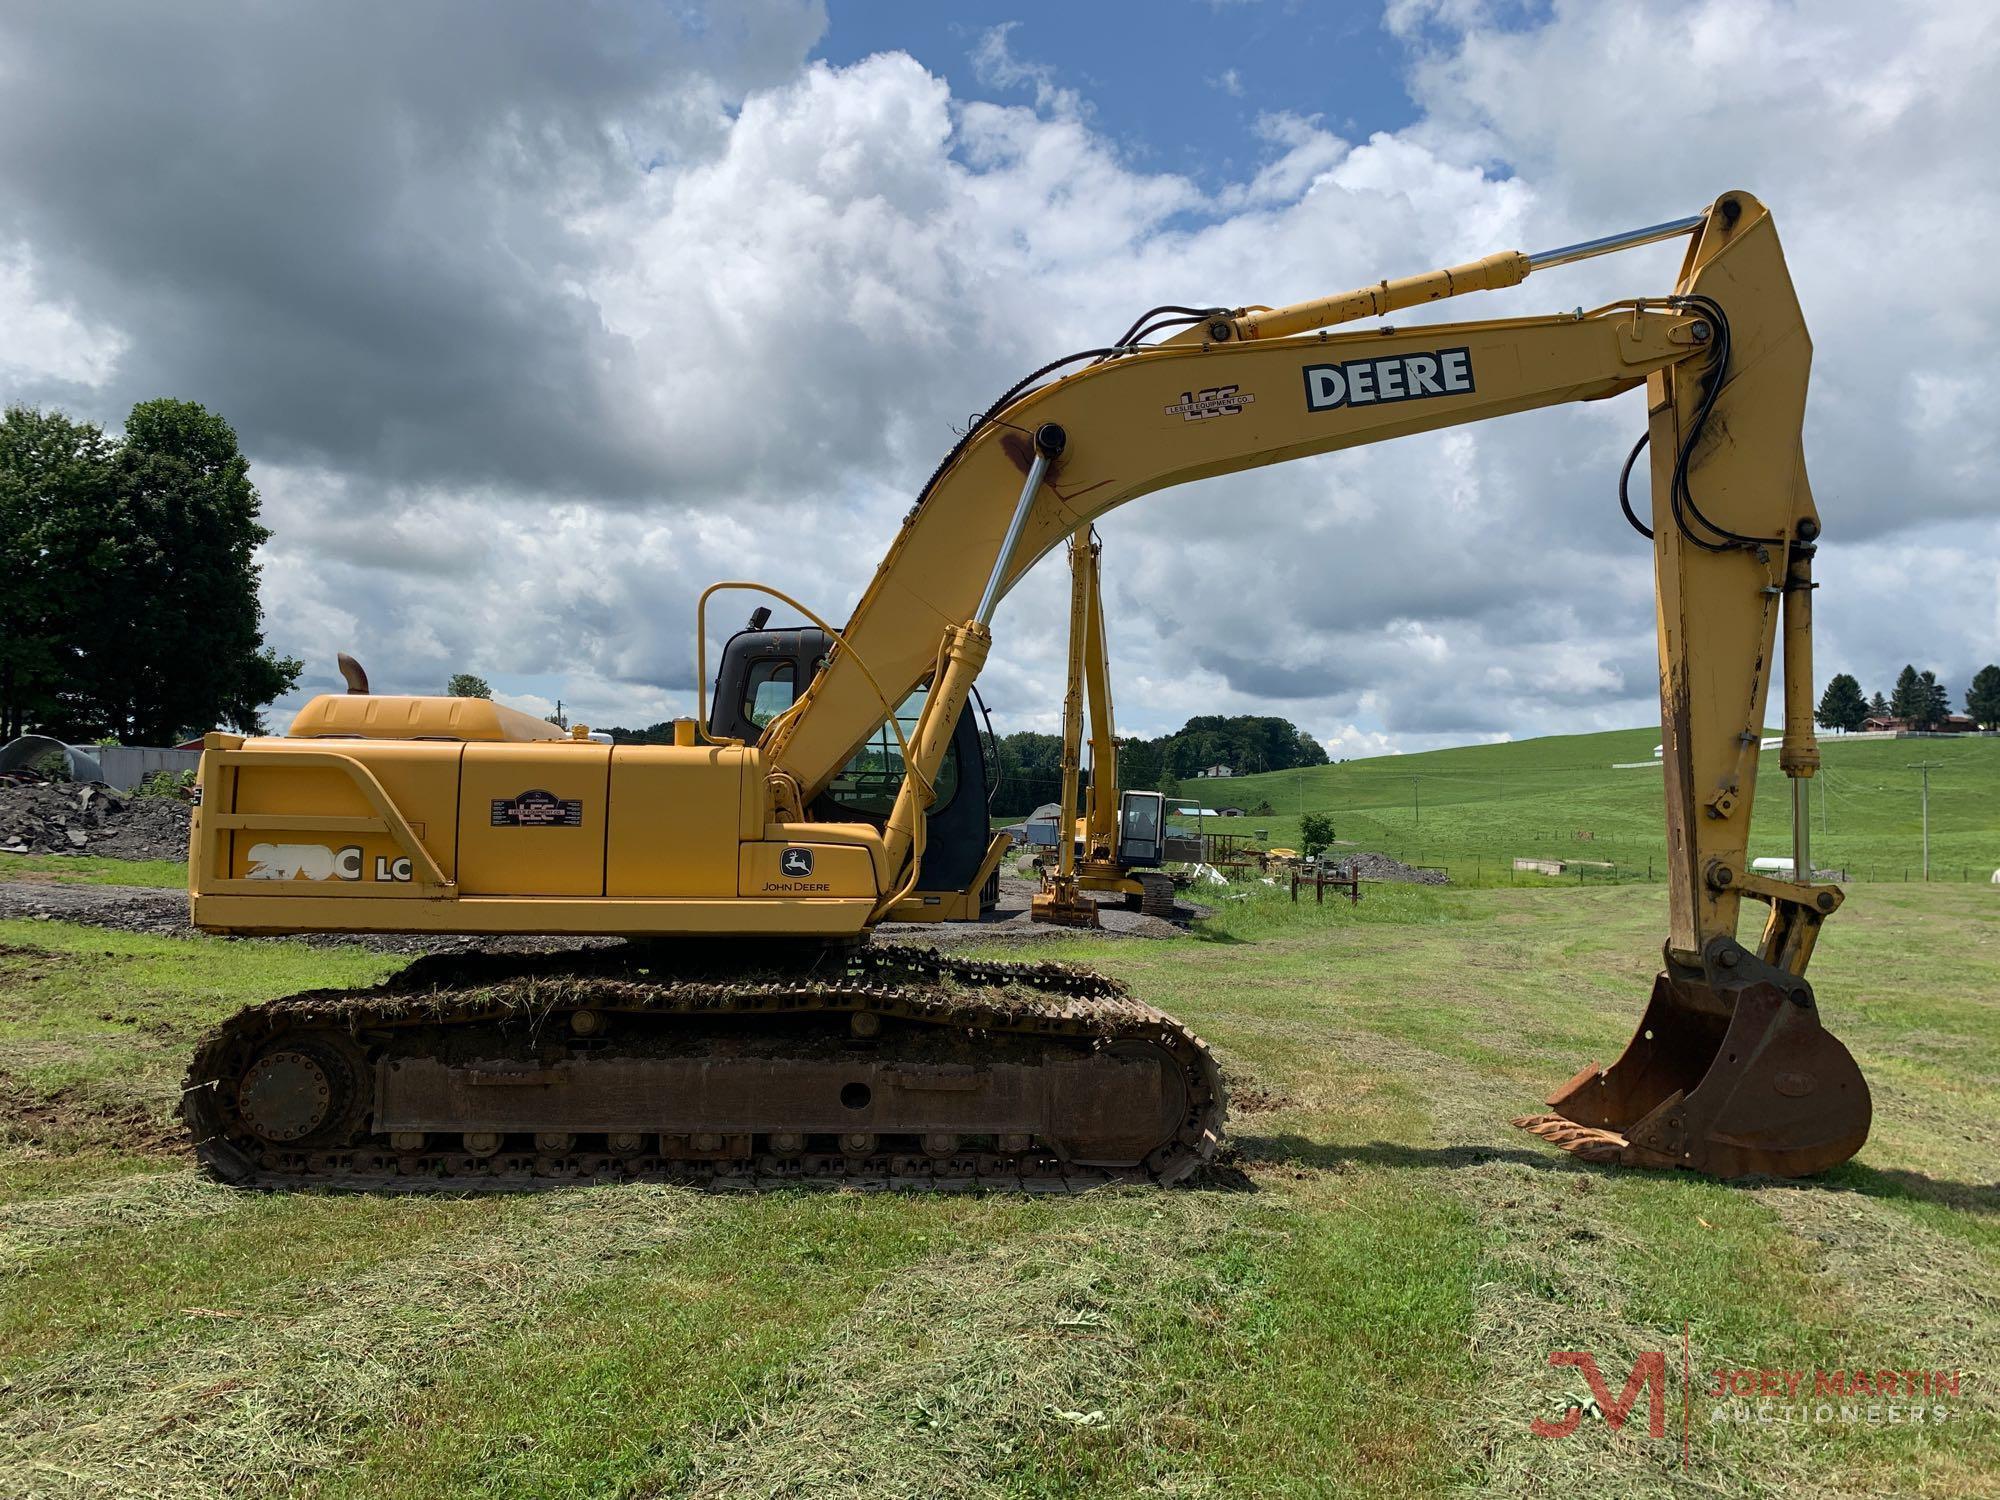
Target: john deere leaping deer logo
795 864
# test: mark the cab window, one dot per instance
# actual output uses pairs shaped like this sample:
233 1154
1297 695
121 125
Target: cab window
770 691
869 782
1141 817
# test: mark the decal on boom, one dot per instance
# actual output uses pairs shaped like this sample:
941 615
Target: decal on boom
1389 377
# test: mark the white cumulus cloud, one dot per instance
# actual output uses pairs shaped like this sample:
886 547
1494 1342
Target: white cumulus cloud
534 327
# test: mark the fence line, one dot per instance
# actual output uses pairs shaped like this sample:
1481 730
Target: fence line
1654 870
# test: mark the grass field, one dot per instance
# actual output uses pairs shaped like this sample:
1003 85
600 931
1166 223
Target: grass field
1363 1301
1476 808
84 869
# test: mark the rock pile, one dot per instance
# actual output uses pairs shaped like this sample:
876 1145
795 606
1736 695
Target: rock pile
1381 867
57 817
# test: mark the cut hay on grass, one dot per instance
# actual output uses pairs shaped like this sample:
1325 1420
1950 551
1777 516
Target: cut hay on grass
973 1370
1932 1300
1551 1280
35 1227
1370 1308
268 1395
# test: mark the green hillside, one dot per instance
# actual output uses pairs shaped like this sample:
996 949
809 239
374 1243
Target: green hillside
1477 808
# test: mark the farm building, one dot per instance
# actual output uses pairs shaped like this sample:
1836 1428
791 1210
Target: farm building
1889 724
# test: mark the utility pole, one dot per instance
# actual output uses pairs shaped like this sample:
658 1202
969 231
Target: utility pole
1926 766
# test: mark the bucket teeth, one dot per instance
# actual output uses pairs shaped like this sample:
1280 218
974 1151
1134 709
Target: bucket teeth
1584 1141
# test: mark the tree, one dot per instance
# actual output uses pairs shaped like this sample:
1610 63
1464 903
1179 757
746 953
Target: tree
1027 772
661 733
136 609
1878 707
1982 699
1907 700
1937 701
185 521
465 685
1315 834
1920 700
1841 706
53 542
1140 764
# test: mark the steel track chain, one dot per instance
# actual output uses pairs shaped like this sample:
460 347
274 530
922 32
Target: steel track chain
914 984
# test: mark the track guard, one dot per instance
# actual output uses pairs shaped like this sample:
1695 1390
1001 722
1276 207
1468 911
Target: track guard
1729 1073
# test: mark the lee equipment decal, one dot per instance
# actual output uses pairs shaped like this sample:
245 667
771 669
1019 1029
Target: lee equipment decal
1389 377
1216 401
537 809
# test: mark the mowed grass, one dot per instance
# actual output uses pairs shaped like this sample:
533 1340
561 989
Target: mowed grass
1362 1299
1477 808
86 869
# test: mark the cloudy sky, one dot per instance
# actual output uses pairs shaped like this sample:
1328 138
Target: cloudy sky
535 319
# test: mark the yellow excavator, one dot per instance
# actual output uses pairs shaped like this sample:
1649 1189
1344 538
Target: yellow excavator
1119 842
744 1032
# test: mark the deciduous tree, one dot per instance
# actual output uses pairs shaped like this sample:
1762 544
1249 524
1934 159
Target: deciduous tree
133 606
54 548
1982 700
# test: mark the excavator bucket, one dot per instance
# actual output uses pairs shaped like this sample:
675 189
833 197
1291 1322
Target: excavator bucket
1061 904
1727 1078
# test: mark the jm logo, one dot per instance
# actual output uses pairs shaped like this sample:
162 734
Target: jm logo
1649 1371
796 863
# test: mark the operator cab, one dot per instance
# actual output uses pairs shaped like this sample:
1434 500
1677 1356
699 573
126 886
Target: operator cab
1142 830
763 672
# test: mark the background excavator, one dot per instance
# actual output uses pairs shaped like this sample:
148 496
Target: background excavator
747 1034
1119 842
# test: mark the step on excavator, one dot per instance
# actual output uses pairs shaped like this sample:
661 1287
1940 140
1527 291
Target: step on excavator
1118 843
742 1031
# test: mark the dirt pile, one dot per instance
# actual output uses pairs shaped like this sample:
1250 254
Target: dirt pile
59 817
